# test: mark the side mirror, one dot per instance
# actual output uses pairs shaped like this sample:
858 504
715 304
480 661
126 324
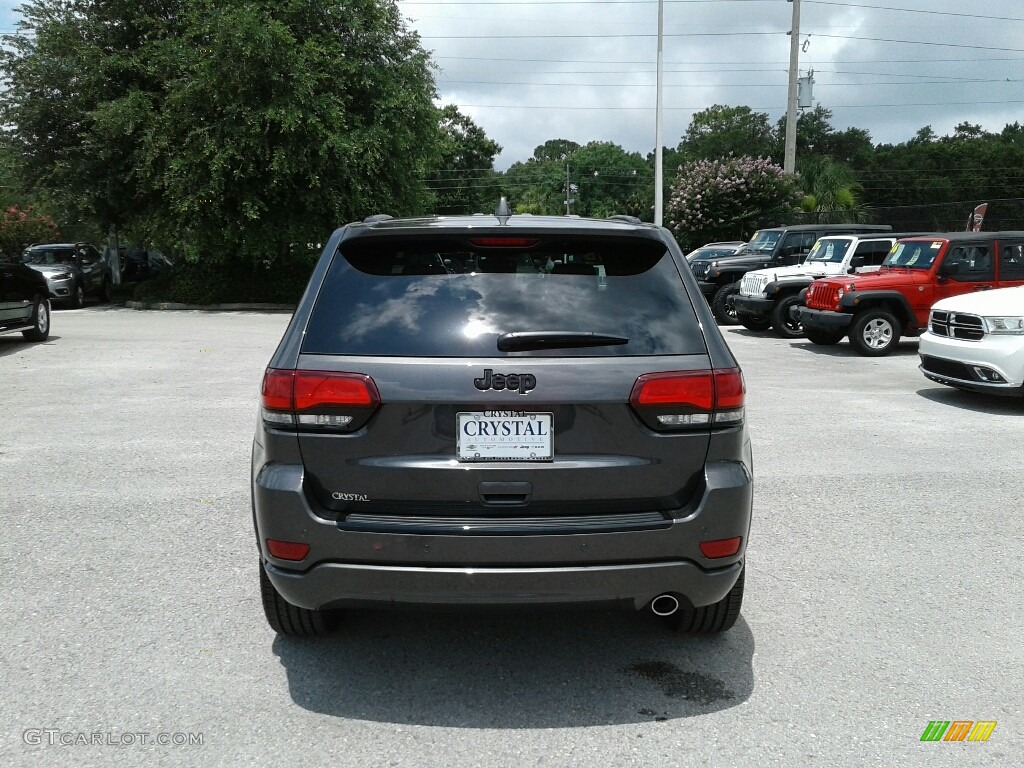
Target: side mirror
856 263
949 269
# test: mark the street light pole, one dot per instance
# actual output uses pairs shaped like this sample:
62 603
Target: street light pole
659 190
789 160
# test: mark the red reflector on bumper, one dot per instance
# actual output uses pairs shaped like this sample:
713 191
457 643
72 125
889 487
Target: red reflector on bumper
287 550
721 547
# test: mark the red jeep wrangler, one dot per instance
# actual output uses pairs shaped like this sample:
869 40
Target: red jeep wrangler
877 308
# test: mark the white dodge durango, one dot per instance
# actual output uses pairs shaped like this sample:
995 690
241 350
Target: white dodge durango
975 341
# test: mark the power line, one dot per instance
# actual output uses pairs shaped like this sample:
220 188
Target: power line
725 63
946 81
560 107
913 10
645 35
865 6
919 42
718 34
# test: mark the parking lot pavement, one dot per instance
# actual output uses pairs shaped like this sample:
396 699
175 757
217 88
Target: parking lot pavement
883 586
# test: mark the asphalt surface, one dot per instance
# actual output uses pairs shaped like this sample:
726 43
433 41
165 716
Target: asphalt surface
883 586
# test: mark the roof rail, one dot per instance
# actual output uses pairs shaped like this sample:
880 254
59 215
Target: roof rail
377 217
625 218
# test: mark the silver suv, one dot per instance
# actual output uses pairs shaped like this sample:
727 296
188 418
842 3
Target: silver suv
500 410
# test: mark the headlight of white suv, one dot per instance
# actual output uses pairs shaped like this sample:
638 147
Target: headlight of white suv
1004 325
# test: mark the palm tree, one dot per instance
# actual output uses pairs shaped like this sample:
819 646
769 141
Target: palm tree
830 190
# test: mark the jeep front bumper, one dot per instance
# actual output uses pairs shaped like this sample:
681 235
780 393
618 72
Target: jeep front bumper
754 306
824 320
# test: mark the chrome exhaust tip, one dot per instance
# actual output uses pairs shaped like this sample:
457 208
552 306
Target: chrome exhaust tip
664 605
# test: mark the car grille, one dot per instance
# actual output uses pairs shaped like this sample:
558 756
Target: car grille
956 325
753 285
700 269
951 368
822 295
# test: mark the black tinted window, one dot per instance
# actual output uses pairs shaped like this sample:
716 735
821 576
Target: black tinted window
971 264
453 298
1011 261
873 251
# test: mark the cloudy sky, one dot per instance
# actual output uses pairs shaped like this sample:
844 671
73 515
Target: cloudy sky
532 70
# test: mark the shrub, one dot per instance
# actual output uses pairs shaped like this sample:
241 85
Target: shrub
233 282
20 228
723 199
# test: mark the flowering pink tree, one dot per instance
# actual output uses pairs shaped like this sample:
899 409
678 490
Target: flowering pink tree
723 199
20 228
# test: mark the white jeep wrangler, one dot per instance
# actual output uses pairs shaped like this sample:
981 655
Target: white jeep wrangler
768 296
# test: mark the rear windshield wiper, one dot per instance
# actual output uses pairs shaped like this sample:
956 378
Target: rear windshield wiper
519 341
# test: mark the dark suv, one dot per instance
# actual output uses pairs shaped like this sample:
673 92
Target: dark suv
24 306
498 410
73 271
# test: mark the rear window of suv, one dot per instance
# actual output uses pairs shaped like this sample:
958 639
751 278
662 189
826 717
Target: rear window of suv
452 297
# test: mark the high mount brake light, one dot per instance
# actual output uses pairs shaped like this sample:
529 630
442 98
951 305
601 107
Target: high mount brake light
504 242
681 399
318 399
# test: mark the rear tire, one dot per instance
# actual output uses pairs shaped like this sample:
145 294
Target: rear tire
782 323
823 338
287 619
717 617
723 314
40 330
754 323
875 332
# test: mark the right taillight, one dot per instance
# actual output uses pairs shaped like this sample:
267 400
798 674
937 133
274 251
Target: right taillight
318 400
690 399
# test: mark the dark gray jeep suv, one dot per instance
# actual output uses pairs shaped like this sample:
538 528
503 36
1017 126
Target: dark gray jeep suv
499 410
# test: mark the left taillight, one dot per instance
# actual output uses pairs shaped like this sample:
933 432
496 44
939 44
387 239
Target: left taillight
690 399
331 401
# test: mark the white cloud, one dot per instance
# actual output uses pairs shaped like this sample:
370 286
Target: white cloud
500 63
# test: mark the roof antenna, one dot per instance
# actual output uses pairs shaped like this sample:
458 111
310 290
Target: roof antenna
503 212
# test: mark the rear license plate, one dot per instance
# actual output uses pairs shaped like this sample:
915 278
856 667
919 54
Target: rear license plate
504 436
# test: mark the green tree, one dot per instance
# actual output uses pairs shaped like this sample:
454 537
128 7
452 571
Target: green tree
720 131
830 189
611 181
77 105
231 128
536 186
724 199
971 164
557 150
464 180
604 178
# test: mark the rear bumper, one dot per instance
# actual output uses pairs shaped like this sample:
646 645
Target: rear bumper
754 306
345 584
824 319
378 567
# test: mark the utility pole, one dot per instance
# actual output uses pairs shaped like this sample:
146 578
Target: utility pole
789 161
568 192
659 172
